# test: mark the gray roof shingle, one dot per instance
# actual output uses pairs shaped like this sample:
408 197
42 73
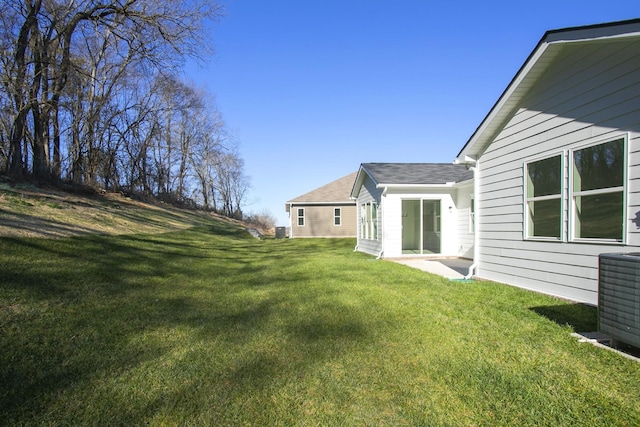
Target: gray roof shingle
417 173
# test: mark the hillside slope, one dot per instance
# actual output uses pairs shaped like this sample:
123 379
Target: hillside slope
30 211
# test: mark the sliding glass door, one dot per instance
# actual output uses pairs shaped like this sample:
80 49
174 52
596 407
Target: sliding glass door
421 227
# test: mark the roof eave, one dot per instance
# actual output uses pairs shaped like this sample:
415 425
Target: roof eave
396 186
538 61
357 184
508 101
327 203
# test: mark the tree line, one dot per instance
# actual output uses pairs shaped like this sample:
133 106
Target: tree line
91 95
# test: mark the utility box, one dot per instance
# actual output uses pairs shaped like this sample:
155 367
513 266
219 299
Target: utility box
281 232
619 297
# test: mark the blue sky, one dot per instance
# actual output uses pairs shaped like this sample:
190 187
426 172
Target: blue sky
311 89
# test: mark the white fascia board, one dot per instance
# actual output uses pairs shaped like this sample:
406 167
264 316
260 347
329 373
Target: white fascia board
463 184
357 185
537 62
532 69
426 186
330 203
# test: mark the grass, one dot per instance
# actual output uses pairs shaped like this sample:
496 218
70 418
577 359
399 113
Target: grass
208 326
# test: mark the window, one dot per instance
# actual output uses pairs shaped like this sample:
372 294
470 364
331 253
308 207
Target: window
374 221
369 221
544 198
300 217
598 191
593 194
337 216
472 216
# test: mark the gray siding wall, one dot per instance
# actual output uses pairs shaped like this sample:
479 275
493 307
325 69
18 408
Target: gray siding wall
589 95
369 193
319 221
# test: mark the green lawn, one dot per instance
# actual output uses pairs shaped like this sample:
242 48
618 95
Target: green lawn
209 326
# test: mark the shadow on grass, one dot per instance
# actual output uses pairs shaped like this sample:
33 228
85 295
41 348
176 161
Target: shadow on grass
580 317
76 309
88 310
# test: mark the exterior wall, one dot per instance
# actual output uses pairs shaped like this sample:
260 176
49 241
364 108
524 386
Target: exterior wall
319 221
369 193
456 239
392 211
590 94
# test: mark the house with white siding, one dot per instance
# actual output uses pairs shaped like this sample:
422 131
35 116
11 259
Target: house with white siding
414 209
557 163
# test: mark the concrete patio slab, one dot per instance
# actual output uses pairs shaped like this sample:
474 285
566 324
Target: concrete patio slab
454 271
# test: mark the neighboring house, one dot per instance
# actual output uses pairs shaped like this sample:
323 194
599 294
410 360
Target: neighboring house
324 212
410 209
557 163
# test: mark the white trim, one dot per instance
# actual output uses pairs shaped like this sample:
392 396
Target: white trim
414 186
338 217
526 199
346 203
438 231
538 61
624 188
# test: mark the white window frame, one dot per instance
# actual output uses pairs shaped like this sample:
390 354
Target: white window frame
572 194
560 196
472 215
363 221
374 221
568 195
337 217
300 217
369 220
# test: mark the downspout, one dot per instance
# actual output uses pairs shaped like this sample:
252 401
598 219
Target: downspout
476 239
357 225
291 220
381 231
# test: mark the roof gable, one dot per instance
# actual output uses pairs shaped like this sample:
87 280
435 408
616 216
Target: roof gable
541 58
335 192
411 175
416 173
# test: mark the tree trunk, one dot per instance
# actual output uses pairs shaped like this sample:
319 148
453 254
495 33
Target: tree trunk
16 165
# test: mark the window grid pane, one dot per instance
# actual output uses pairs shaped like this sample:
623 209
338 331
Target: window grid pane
598 191
544 198
545 218
599 216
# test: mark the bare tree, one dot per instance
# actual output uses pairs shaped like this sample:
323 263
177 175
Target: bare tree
206 154
52 41
231 184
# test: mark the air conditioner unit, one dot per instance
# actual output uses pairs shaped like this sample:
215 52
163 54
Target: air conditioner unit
619 297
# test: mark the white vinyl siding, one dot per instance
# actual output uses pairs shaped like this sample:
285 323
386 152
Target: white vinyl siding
588 96
381 233
369 195
465 204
